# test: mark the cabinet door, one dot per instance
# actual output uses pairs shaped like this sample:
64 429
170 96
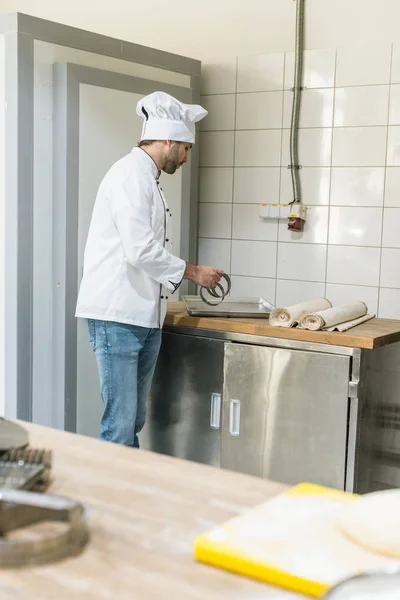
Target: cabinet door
285 414
184 408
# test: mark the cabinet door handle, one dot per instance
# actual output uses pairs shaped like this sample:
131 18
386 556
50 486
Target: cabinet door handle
215 413
234 417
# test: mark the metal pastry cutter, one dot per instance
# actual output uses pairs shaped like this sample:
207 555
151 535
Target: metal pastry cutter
23 468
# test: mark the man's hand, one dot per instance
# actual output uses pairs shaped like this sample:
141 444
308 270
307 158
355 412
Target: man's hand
206 277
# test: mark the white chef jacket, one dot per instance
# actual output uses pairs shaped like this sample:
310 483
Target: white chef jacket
128 266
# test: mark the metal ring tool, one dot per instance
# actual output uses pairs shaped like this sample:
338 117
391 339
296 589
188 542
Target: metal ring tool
19 509
61 529
218 294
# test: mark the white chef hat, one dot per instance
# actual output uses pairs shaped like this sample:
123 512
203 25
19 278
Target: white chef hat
166 118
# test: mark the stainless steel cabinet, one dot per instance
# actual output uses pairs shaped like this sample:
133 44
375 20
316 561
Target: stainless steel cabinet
285 414
184 408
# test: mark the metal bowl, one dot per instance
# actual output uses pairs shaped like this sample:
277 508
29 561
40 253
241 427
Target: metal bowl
377 585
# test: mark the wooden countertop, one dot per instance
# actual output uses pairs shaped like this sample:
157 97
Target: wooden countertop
369 335
145 510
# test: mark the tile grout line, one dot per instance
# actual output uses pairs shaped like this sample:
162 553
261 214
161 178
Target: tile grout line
352 206
310 128
304 167
287 89
280 183
347 285
384 181
330 172
272 241
337 283
233 160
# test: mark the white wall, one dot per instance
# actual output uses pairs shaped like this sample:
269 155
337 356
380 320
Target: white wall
223 27
2 219
349 147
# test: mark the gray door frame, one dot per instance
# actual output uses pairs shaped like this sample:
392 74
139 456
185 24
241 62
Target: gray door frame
66 100
20 32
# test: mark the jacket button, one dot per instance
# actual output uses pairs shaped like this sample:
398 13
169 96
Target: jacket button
162 297
167 209
167 240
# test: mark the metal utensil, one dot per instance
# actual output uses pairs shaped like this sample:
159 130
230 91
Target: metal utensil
218 294
12 435
24 468
20 509
252 308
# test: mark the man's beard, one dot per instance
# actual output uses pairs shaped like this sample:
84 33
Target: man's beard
171 161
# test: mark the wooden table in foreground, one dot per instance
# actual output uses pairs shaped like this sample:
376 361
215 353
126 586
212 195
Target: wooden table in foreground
144 512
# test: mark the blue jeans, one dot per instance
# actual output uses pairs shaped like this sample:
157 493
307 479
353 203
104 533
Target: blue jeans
126 357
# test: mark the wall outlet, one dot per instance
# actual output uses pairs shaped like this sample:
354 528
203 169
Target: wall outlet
284 210
274 211
269 211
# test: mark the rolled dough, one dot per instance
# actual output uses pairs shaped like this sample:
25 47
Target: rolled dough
373 522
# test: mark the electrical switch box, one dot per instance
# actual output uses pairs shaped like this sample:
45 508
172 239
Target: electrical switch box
274 211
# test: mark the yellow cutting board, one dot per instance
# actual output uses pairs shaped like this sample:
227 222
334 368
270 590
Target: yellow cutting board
292 541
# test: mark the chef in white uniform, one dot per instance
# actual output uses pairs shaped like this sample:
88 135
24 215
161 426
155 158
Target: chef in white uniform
129 269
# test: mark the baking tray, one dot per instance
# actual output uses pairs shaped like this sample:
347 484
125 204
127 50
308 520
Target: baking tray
231 307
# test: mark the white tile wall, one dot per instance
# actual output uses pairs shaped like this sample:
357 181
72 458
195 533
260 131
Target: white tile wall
253 259
349 226
357 186
349 149
215 253
304 262
316 108
289 292
256 185
393 147
319 69
221 112
314 147
254 287
392 189
391 238
390 271
315 182
247 224
389 302
260 73
361 106
394 114
345 294
216 185
215 220
258 148
359 147
261 110
216 149
353 265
